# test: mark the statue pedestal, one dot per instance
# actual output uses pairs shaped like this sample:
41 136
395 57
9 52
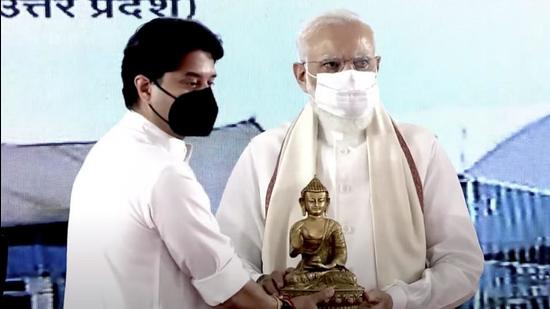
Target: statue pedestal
343 298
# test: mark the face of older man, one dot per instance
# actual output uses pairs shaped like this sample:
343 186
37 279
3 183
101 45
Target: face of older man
333 48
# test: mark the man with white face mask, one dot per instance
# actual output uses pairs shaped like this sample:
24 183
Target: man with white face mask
394 191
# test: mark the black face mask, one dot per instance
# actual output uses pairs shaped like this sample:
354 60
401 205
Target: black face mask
192 113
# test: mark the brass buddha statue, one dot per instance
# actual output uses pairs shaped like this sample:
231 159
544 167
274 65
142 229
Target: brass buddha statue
320 242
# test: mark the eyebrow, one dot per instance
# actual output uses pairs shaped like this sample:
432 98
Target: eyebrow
194 74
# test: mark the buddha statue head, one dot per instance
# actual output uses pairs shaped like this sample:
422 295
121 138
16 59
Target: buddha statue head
314 199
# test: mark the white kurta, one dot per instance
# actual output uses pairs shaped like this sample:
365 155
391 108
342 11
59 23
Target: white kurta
454 257
141 234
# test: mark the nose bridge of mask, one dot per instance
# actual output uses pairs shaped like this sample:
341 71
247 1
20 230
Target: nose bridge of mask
345 80
353 81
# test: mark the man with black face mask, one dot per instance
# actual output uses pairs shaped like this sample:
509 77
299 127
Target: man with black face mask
141 234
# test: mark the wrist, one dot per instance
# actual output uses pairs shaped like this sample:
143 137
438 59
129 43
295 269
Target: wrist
278 302
283 303
287 304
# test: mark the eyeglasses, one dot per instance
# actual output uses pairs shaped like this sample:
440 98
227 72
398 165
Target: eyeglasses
334 65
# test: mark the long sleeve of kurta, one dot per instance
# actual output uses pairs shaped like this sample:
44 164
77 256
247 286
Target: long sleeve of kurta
455 260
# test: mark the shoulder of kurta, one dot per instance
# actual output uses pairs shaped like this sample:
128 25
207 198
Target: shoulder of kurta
270 139
178 182
176 173
416 134
421 141
260 156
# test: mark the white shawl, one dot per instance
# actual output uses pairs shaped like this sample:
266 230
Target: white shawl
396 199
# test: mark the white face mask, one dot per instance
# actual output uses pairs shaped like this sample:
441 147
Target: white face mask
348 94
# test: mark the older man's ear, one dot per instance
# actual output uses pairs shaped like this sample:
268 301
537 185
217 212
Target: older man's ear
299 70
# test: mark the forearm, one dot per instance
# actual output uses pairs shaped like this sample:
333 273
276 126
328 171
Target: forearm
444 286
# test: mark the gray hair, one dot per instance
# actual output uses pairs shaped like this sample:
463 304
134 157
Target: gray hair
335 17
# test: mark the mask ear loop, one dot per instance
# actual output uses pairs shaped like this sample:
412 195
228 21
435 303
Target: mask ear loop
311 96
167 93
313 76
163 90
376 71
309 73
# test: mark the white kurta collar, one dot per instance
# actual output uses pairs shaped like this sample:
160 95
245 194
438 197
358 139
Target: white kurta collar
339 132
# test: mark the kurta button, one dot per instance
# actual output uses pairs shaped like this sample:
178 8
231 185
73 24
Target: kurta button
345 188
347 229
344 151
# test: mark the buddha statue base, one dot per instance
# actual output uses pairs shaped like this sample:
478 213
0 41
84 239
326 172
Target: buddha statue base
343 298
347 293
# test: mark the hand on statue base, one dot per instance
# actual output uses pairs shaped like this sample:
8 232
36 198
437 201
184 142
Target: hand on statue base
274 282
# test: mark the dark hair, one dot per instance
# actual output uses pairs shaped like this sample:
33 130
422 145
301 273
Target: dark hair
158 46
